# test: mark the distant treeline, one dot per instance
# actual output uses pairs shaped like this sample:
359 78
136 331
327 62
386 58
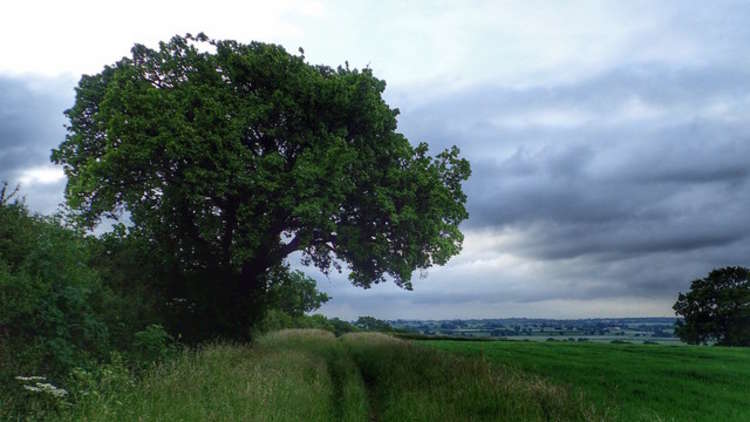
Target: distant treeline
632 327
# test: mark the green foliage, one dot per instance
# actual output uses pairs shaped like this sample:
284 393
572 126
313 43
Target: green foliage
341 327
293 292
231 156
275 320
50 307
153 344
67 303
137 277
96 382
50 300
716 309
368 323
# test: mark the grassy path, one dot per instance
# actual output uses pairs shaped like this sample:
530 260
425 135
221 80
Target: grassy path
310 375
410 382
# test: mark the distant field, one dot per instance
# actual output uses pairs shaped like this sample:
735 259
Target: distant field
634 381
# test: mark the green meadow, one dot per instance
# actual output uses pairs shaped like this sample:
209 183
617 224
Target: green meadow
633 381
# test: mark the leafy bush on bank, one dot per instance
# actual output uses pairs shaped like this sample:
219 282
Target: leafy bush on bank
59 317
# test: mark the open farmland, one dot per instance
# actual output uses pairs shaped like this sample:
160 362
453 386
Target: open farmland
312 375
636 382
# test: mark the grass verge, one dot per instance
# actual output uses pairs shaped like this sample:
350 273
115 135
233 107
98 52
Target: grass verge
290 375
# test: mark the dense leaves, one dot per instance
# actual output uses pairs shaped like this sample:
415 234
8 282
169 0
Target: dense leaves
50 300
70 303
716 309
368 323
231 156
294 293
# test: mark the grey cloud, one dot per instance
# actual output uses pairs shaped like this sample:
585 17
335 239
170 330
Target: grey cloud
31 120
624 187
652 181
31 124
648 278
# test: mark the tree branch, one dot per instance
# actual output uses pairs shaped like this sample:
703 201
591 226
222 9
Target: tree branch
290 247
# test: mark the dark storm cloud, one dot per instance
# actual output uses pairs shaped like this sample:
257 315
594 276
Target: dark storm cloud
619 189
632 161
31 124
31 120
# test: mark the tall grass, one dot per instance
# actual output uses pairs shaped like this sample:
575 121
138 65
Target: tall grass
410 382
288 376
310 375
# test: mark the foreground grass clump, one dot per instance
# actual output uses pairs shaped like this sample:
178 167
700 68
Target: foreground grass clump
289 375
638 382
410 382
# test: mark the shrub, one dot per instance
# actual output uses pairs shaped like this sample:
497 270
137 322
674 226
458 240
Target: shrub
50 301
152 344
58 315
275 320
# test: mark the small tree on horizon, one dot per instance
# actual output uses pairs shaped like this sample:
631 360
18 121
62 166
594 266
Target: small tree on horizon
716 309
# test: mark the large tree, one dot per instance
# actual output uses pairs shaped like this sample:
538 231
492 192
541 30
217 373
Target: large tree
232 156
716 309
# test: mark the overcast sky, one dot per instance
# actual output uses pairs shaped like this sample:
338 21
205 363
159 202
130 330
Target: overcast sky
609 141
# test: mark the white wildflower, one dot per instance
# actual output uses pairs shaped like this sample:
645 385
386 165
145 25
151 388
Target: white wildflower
31 378
51 389
42 387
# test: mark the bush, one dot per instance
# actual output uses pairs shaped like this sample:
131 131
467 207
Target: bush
152 345
276 320
134 275
59 317
50 301
101 380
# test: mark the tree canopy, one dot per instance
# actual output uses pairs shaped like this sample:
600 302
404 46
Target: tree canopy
232 156
716 309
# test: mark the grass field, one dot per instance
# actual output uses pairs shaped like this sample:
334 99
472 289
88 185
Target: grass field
636 382
309 375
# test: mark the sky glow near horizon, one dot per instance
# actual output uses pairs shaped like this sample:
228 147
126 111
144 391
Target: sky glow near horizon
609 141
